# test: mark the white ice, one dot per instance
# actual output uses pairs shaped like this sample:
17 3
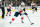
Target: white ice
34 17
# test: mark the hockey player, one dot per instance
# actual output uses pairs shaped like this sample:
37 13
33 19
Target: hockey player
34 7
20 11
9 9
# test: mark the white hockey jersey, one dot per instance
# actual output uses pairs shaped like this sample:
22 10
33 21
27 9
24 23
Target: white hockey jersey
20 8
33 4
10 5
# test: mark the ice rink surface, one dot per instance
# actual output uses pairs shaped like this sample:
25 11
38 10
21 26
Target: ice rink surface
34 17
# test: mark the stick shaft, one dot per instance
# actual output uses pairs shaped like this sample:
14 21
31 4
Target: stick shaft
29 19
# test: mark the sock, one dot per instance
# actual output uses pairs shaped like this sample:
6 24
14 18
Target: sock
10 12
22 18
13 19
7 12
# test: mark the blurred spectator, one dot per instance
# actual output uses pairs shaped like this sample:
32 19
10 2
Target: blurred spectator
29 3
9 2
0 4
24 1
18 2
3 3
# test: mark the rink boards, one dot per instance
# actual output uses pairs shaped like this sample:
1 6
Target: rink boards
26 8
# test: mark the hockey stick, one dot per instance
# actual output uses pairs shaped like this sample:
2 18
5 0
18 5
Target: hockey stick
30 21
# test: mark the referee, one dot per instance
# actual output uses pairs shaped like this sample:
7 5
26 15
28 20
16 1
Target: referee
3 11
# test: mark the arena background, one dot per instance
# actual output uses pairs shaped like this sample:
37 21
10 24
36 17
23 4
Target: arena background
34 17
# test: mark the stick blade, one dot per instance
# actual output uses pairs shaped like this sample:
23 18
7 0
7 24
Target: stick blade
32 23
10 22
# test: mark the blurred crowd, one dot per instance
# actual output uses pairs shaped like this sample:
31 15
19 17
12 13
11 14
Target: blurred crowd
17 2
